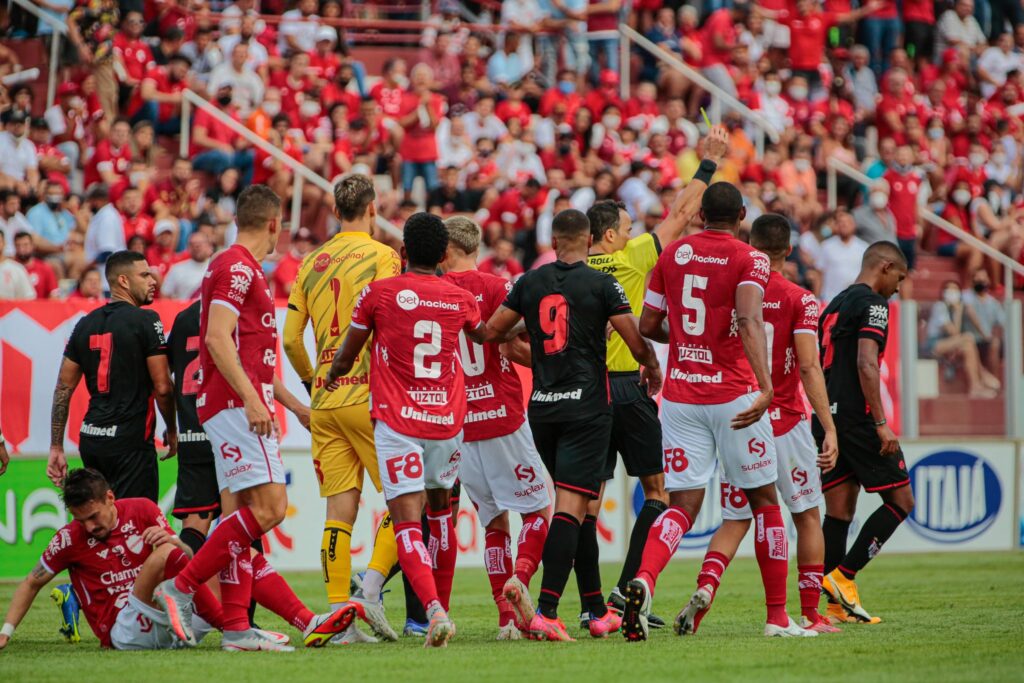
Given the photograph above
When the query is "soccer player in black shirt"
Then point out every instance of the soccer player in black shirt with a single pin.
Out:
(197, 498)
(567, 306)
(120, 349)
(853, 332)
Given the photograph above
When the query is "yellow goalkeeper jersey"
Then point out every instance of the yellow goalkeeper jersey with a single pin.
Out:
(326, 290)
(630, 266)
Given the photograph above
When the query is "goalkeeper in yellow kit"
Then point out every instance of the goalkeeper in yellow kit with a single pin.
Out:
(326, 290)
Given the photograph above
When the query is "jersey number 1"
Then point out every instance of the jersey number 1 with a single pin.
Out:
(554, 322)
(104, 343)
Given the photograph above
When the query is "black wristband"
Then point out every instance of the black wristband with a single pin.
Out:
(309, 387)
(704, 172)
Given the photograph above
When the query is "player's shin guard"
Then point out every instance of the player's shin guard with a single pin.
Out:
(206, 604)
(809, 585)
(588, 569)
(638, 539)
(498, 562)
(530, 547)
(876, 531)
(232, 538)
(273, 592)
(193, 538)
(559, 552)
(336, 560)
(835, 532)
(772, 550)
(385, 550)
(443, 552)
(662, 541)
(235, 593)
(415, 561)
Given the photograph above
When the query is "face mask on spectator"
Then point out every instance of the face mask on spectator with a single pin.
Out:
(826, 232)
(798, 93)
(645, 177)
(402, 82)
(901, 168)
(951, 296)
(76, 103)
(136, 178)
(309, 109)
(53, 201)
(224, 100)
(768, 198)
(961, 197)
(802, 164)
(977, 159)
(566, 87)
(936, 133)
(878, 200)
(271, 109)
(773, 88)
(980, 287)
(995, 200)
(611, 121)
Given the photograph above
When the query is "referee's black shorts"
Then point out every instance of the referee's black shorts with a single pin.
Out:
(636, 429)
(131, 473)
(860, 457)
(197, 492)
(574, 452)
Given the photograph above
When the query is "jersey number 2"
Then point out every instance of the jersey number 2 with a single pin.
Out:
(104, 343)
(554, 322)
(431, 331)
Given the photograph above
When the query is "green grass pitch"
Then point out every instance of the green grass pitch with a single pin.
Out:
(952, 617)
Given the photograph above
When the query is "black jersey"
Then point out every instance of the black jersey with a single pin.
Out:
(858, 312)
(566, 310)
(183, 352)
(111, 345)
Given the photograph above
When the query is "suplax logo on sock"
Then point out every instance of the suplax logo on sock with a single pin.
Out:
(957, 496)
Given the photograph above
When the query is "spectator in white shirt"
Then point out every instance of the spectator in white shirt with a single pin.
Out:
(246, 86)
(258, 55)
(184, 278)
(958, 28)
(106, 227)
(996, 62)
(12, 220)
(14, 279)
(482, 123)
(204, 53)
(840, 257)
(19, 165)
(297, 31)
(523, 16)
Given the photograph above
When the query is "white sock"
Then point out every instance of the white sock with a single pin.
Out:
(373, 582)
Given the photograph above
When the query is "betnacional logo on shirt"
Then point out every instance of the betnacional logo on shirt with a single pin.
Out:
(321, 262)
(684, 254)
(409, 300)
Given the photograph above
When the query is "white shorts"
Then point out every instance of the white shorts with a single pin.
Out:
(244, 459)
(411, 465)
(692, 433)
(504, 474)
(141, 627)
(799, 481)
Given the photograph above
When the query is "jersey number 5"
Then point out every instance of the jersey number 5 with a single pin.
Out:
(694, 325)
(104, 343)
(554, 322)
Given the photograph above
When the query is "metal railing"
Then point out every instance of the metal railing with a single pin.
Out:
(303, 173)
(1014, 333)
(719, 98)
(60, 30)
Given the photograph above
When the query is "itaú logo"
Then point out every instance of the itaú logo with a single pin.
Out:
(957, 495)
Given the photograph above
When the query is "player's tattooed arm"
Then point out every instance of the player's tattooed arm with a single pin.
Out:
(67, 381)
(345, 358)
(23, 597)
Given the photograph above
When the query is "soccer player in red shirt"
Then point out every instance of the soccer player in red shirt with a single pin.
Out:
(235, 404)
(500, 469)
(710, 286)
(791, 320)
(418, 402)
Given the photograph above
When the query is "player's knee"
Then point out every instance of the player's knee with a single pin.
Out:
(654, 487)
(271, 512)
(902, 499)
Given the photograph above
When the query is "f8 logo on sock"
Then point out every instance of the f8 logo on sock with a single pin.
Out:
(410, 465)
(675, 460)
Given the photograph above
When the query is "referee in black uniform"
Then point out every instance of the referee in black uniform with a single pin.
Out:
(121, 351)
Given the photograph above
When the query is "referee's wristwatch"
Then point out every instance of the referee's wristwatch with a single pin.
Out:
(881, 423)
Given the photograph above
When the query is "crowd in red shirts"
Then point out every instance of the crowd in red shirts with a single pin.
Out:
(511, 126)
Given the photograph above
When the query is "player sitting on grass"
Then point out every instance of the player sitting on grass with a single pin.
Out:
(791, 312)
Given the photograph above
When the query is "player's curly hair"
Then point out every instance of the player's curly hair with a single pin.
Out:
(83, 485)
(426, 240)
(463, 233)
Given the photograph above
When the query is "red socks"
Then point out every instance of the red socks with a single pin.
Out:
(772, 550)
(662, 541)
(809, 585)
(231, 537)
(236, 592)
(498, 562)
(415, 562)
(205, 602)
(712, 569)
(443, 552)
(530, 546)
(273, 592)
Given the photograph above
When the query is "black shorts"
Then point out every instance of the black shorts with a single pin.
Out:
(636, 429)
(197, 493)
(860, 458)
(922, 37)
(574, 453)
(131, 474)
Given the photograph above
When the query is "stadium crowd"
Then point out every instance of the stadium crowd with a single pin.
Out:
(510, 126)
